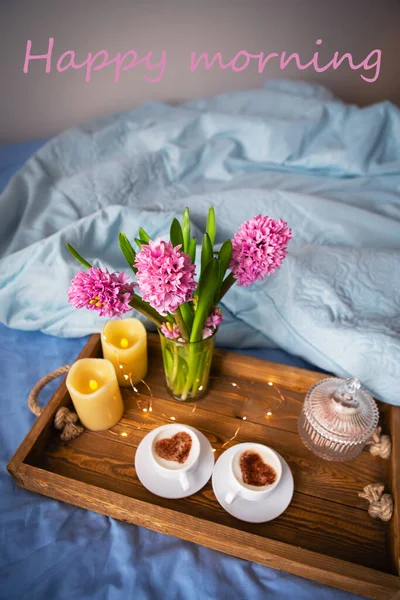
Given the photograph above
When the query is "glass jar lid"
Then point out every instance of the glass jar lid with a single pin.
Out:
(341, 410)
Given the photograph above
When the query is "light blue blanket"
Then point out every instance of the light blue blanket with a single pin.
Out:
(290, 150)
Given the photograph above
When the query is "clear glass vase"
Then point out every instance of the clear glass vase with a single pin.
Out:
(187, 366)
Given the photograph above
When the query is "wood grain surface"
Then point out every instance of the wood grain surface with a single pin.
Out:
(326, 533)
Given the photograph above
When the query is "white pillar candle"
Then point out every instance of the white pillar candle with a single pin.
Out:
(124, 344)
(94, 390)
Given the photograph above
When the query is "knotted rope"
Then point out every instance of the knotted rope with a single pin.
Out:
(381, 505)
(380, 445)
(64, 420)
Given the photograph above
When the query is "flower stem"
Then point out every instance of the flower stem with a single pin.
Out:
(143, 307)
(181, 324)
(192, 362)
(226, 285)
(187, 315)
(175, 367)
(199, 375)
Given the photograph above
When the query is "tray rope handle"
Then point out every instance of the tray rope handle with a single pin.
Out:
(65, 419)
(380, 504)
(380, 445)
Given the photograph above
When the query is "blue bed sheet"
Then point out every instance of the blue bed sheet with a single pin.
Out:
(290, 150)
(51, 550)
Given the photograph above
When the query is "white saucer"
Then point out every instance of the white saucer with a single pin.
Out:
(169, 488)
(253, 512)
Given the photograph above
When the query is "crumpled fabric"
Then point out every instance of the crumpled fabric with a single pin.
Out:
(290, 150)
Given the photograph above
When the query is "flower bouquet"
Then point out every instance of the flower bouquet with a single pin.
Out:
(184, 310)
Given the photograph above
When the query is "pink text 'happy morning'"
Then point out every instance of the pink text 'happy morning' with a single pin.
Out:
(154, 66)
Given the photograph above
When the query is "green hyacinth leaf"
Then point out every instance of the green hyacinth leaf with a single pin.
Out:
(176, 233)
(224, 258)
(187, 315)
(206, 293)
(192, 250)
(145, 238)
(211, 227)
(127, 250)
(206, 251)
(139, 242)
(148, 311)
(78, 257)
(186, 231)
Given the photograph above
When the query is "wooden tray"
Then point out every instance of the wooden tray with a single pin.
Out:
(326, 533)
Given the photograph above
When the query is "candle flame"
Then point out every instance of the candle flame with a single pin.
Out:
(124, 343)
(93, 384)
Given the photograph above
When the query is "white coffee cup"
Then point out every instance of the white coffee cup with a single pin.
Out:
(238, 488)
(172, 469)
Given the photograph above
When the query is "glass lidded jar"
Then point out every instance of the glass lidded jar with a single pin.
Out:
(337, 419)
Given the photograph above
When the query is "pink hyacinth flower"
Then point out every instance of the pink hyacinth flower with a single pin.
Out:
(170, 331)
(107, 293)
(258, 248)
(215, 318)
(207, 332)
(165, 276)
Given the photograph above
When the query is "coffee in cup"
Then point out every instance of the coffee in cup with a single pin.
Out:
(252, 469)
(255, 470)
(175, 450)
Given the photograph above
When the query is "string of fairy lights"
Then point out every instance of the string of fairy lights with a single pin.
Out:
(150, 407)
